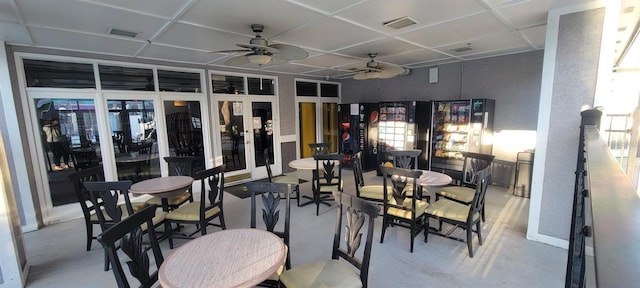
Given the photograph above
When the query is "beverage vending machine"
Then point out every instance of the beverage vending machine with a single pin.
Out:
(358, 131)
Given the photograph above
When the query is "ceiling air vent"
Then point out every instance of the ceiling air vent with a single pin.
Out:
(400, 22)
(462, 49)
(124, 33)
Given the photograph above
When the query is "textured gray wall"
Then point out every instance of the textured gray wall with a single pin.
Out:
(512, 80)
(574, 84)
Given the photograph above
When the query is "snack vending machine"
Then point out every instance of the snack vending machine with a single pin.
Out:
(460, 126)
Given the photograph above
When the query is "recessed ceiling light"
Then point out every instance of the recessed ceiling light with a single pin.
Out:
(400, 22)
(462, 49)
(124, 33)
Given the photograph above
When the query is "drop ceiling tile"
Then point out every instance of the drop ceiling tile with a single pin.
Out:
(536, 35)
(459, 30)
(384, 47)
(176, 54)
(374, 13)
(500, 42)
(524, 14)
(328, 60)
(417, 56)
(14, 33)
(7, 14)
(90, 43)
(238, 15)
(326, 6)
(163, 8)
(290, 69)
(87, 18)
(205, 39)
(328, 35)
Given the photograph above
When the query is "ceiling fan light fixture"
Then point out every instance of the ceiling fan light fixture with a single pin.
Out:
(259, 59)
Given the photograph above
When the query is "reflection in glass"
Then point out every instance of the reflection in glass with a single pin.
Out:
(184, 130)
(133, 130)
(232, 134)
(70, 142)
(227, 84)
(307, 130)
(179, 81)
(260, 86)
(40, 73)
(262, 131)
(126, 78)
(330, 125)
(306, 88)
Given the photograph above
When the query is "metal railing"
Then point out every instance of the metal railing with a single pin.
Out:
(606, 216)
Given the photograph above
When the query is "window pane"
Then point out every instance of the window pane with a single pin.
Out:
(179, 81)
(133, 130)
(306, 88)
(262, 131)
(125, 78)
(71, 142)
(58, 74)
(227, 84)
(184, 130)
(260, 86)
(231, 119)
(329, 90)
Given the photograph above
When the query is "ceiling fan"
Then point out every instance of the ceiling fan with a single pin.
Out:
(377, 70)
(261, 53)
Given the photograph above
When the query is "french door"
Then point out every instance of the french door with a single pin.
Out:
(246, 131)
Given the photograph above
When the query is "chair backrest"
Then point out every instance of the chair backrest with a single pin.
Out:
(129, 233)
(400, 178)
(107, 194)
(473, 163)
(211, 188)
(180, 165)
(331, 174)
(358, 177)
(319, 148)
(407, 159)
(78, 178)
(84, 158)
(482, 183)
(357, 212)
(272, 195)
(267, 164)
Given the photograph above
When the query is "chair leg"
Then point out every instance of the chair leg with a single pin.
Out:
(222, 224)
(479, 232)
(170, 235)
(413, 228)
(470, 241)
(297, 190)
(426, 229)
(106, 260)
(384, 228)
(89, 234)
(483, 213)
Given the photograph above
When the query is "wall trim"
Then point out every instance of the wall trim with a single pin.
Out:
(288, 138)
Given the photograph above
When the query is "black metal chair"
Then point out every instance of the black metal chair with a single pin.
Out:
(272, 195)
(327, 177)
(367, 192)
(107, 196)
(461, 215)
(336, 273)
(402, 209)
(201, 213)
(285, 179)
(465, 190)
(407, 159)
(178, 166)
(128, 233)
(95, 173)
(319, 148)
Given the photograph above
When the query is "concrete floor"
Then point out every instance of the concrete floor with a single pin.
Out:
(57, 257)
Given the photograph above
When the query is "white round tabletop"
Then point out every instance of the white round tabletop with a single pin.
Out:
(431, 178)
(303, 164)
(229, 258)
(162, 186)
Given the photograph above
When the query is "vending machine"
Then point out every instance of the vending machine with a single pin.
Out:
(404, 126)
(460, 126)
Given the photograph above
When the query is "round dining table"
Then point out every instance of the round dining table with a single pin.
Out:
(303, 164)
(163, 187)
(432, 179)
(228, 258)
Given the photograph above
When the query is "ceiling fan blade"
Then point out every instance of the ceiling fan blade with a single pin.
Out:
(237, 61)
(290, 52)
(231, 51)
(361, 76)
(390, 71)
(265, 48)
(276, 60)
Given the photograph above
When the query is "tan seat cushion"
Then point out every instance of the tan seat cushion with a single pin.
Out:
(173, 201)
(463, 194)
(160, 216)
(333, 187)
(421, 206)
(286, 179)
(332, 273)
(448, 209)
(276, 275)
(191, 212)
(374, 192)
(137, 206)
